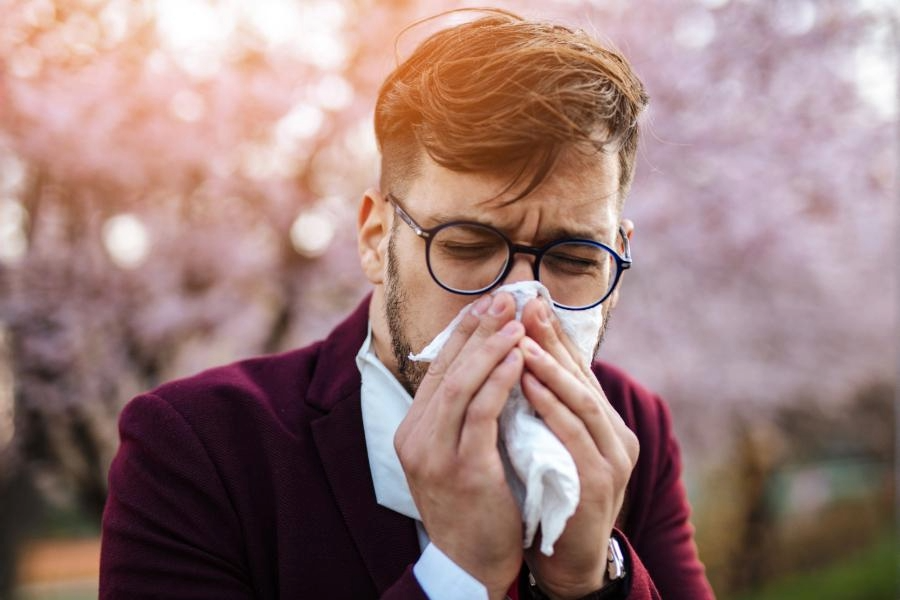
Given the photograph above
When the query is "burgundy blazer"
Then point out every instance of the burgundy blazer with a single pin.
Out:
(252, 481)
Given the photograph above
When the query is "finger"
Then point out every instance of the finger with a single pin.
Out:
(483, 351)
(608, 454)
(479, 432)
(543, 326)
(561, 420)
(448, 353)
(438, 368)
(582, 400)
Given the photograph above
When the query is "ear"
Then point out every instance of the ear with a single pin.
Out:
(373, 231)
(628, 227)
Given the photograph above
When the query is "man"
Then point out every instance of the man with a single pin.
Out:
(508, 147)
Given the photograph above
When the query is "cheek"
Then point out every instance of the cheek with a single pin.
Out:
(428, 308)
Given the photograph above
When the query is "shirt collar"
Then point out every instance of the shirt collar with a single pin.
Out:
(384, 404)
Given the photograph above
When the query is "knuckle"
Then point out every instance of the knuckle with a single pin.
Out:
(478, 412)
(471, 478)
(471, 485)
(468, 325)
(491, 323)
(400, 438)
(407, 459)
(485, 330)
(568, 435)
(451, 386)
(632, 447)
(421, 466)
(603, 476)
(621, 468)
(432, 471)
(592, 407)
(438, 366)
(610, 476)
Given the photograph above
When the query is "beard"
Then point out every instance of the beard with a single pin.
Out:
(607, 313)
(409, 373)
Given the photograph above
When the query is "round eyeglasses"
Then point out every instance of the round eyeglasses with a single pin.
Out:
(470, 258)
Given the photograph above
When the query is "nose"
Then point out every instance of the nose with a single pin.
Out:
(522, 269)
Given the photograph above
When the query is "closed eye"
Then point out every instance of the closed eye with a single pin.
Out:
(571, 263)
(467, 251)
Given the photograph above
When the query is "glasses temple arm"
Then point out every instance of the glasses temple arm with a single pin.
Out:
(406, 218)
(626, 245)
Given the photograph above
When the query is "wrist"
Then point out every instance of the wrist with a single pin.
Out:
(613, 581)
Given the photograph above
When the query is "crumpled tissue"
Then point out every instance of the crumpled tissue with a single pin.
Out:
(539, 469)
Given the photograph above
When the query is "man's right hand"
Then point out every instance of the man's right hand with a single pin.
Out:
(447, 445)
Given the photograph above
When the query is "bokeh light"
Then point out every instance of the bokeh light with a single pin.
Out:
(13, 242)
(794, 17)
(696, 29)
(126, 240)
(187, 105)
(312, 233)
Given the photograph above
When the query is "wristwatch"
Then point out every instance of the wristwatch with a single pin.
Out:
(615, 570)
(615, 560)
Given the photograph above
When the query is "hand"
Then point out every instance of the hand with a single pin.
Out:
(447, 445)
(569, 399)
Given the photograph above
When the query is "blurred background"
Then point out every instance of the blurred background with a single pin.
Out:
(178, 186)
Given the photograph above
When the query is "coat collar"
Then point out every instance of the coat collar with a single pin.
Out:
(336, 376)
(385, 539)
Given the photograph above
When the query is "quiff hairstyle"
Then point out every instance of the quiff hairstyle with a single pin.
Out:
(507, 95)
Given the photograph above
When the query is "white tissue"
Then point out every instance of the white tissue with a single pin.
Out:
(539, 469)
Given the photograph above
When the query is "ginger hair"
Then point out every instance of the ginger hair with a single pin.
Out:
(507, 95)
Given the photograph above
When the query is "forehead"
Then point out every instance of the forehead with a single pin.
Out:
(579, 198)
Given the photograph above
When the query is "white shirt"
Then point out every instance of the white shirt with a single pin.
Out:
(384, 405)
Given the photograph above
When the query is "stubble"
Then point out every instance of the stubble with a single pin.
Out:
(410, 373)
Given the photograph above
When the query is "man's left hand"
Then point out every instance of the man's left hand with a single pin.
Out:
(569, 399)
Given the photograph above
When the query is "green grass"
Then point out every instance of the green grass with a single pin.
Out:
(872, 574)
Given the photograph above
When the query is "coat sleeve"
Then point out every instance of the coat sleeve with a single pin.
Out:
(640, 586)
(168, 528)
(406, 588)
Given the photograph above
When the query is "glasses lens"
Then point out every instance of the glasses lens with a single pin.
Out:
(578, 274)
(467, 258)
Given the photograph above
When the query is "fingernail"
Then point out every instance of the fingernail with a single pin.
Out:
(497, 307)
(531, 347)
(512, 357)
(481, 305)
(512, 328)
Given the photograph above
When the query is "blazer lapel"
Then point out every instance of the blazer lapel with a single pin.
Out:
(385, 539)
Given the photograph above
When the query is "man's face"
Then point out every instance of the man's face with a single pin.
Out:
(578, 199)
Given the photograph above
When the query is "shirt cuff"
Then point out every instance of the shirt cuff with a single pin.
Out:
(443, 579)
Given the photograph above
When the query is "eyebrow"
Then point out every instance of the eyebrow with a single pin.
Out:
(557, 233)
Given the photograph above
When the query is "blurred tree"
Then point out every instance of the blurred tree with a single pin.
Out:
(171, 175)
(765, 203)
(178, 177)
